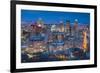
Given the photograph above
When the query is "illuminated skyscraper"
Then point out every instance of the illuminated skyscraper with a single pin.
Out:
(68, 27)
(84, 41)
(40, 22)
(61, 27)
(75, 27)
(39, 25)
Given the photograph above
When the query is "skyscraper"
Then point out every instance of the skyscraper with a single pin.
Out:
(75, 27)
(68, 27)
(40, 22)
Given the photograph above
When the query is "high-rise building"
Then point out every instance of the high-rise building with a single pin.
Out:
(40, 22)
(84, 41)
(62, 27)
(53, 28)
(68, 27)
(39, 25)
(75, 27)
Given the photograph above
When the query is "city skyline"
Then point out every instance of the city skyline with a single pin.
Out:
(53, 17)
(59, 41)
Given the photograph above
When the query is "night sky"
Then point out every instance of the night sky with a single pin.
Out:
(53, 17)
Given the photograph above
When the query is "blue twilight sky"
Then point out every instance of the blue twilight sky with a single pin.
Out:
(53, 17)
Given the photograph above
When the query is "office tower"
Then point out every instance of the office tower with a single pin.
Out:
(84, 41)
(61, 26)
(68, 28)
(75, 27)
